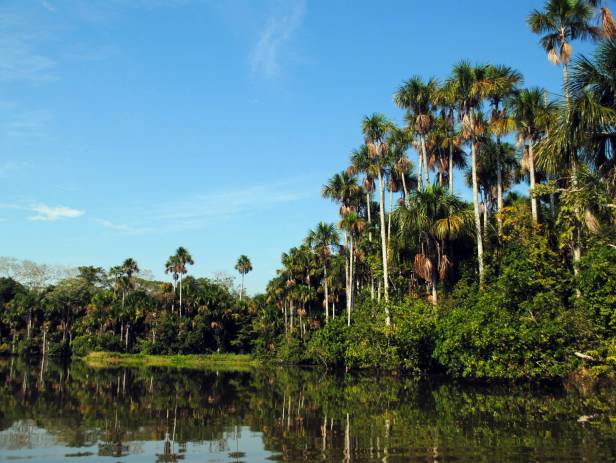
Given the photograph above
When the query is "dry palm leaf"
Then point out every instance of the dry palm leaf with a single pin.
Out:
(609, 25)
(422, 123)
(443, 267)
(591, 221)
(553, 57)
(423, 267)
(371, 149)
(565, 52)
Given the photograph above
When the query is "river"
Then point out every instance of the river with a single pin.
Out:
(59, 413)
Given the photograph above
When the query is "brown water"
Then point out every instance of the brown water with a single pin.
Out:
(73, 413)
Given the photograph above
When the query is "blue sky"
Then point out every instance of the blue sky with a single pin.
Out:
(130, 127)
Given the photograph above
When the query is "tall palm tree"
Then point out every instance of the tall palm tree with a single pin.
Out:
(446, 97)
(506, 80)
(321, 240)
(560, 22)
(437, 217)
(376, 129)
(417, 98)
(531, 114)
(182, 259)
(473, 86)
(243, 266)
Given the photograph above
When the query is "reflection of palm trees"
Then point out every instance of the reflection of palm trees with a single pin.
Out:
(237, 454)
(113, 445)
(169, 453)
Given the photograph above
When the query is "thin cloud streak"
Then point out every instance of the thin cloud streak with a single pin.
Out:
(48, 213)
(265, 56)
(204, 210)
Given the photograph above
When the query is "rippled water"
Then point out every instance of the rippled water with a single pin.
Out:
(71, 413)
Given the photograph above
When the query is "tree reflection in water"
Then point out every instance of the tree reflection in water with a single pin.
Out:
(290, 414)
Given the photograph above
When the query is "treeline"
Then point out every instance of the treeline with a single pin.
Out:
(506, 286)
(119, 310)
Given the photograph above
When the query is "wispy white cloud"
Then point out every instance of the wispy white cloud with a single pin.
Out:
(203, 210)
(49, 213)
(265, 56)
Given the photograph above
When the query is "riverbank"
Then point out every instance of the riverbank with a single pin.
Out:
(114, 359)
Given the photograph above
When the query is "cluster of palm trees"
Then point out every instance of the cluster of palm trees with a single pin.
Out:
(469, 121)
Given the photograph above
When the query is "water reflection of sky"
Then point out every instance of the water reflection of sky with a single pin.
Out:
(24, 440)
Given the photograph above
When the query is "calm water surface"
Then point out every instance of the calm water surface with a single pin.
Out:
(55, 413)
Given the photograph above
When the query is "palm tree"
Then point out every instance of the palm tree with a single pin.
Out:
(582, 132)
(182, 258)
(531, 113)
(342, 188)
(243, 266)
(437, 217)
(417, 98)
(562, 21)
(376, 129)
(473, 85)
(321, 240)
(595, 81)
(505, 80)
(446, 96)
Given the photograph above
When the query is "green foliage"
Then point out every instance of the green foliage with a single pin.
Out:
(518, 327)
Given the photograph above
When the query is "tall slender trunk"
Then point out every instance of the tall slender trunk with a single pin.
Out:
(350, 280)
(391, 208)
(531, 170)
(577, 238)
(180, 295)
(419, 171)
(369, 207)
(326, 292)
(384, 246)
(476, 198)
(499, 184)
(404, 189)
(424, 153)
(242, 287)
(450, 166)
(485, 218)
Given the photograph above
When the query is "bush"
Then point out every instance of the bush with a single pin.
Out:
(518, 327)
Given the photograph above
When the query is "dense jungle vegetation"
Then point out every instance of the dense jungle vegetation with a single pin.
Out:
(517, 283)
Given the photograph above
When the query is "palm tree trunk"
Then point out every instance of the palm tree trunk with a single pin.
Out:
(384, 246)
(419, 170)
(424, 153)
(404, 189)
(499, 184)
(485, 218)
(450, 166)
(242, 287)
(531, 170)
(476, 198)
(391, 208)
(326, 293)
(180, 295)
(350, 292)
(368, 208)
